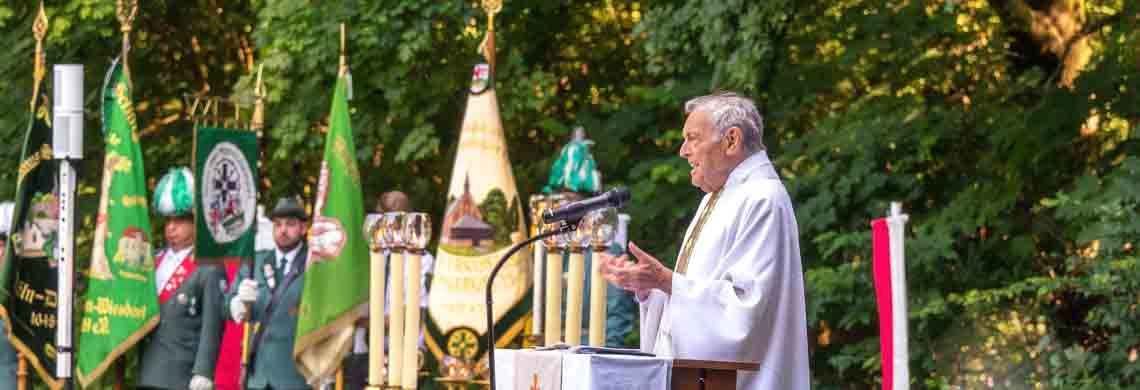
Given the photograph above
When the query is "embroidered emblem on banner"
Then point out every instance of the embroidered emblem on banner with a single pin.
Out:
(228, 193)
(37, 238)
(480, 78)
(327, 238)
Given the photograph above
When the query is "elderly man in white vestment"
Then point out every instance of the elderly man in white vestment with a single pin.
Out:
(737, 291)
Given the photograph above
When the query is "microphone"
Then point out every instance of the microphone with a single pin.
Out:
(576, 210)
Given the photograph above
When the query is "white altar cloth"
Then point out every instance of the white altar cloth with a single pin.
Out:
(524, 369)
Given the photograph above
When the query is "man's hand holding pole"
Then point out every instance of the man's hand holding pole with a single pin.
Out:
(240, 307)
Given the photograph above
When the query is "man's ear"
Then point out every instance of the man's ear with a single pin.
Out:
(733, 140)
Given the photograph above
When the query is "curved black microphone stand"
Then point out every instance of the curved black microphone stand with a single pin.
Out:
(564, 227)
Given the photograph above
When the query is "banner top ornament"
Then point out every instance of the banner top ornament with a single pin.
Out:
(39, 31)
(205, 111)
(343, 69)
(257, 121)
(492, 7)
(126, 10)
(487, 46)
(40, 25)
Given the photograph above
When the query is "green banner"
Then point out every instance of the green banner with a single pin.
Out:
(336, 282)
(121, 304)
(225, 164)
(28, 292)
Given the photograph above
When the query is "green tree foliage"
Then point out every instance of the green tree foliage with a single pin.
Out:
(966, 113)
(1008, 129)
(184, 47)
(495, 212)
(177, 48)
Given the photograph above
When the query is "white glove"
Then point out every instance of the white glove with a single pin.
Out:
(238, 309)
(246, 295)
(247, 291)
(199, 382)
(321, 383)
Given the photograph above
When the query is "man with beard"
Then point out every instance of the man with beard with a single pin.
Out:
(270, 299)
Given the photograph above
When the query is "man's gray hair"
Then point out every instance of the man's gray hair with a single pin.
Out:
(730, 110)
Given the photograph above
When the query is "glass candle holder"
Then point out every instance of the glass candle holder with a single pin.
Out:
(603, 223)
(393, 230)
(417, 231)
(553, 201)
(377, 237)
(538, 204)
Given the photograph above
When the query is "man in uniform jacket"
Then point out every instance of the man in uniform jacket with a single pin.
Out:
(181, 351)
(8, 357)
(270, 297)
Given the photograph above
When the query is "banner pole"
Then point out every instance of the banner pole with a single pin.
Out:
(67, 143)
(22, 373)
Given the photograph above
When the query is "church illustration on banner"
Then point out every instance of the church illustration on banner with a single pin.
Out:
(38, 236)
(472, 228)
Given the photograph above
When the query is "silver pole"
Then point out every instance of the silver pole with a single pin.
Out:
(67, 146)
(66, 271)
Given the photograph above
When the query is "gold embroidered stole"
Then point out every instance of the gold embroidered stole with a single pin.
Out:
(691, 240)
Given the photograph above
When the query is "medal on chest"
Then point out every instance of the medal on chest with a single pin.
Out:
(269, 279)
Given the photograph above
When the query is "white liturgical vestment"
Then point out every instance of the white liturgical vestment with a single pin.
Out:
(741, 297)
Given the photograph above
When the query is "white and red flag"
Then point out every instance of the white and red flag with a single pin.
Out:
(890, 292)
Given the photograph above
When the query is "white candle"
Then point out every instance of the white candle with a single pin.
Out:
(396, 319)
(553, 332)
(537, 295)
(376, 321)
(412, 321)
(597, 301)
(575, 285)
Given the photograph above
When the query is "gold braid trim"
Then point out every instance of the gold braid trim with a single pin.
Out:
(691, 241)
(124, 100)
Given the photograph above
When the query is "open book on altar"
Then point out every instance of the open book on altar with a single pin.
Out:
(585, 349)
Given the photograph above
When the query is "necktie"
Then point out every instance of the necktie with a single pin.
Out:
(282, 266)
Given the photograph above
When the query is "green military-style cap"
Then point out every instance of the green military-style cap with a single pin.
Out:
(289, 206)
